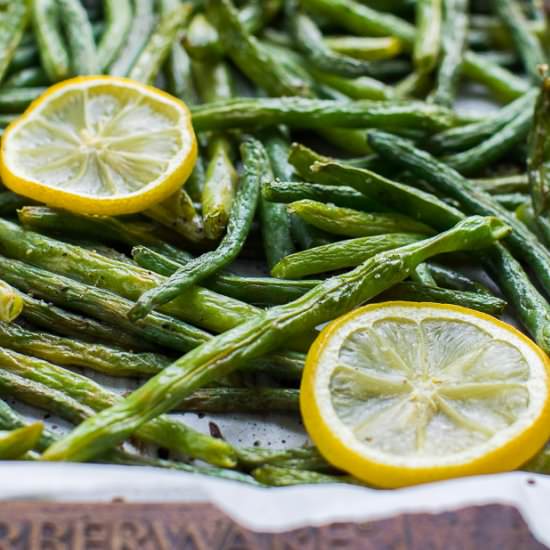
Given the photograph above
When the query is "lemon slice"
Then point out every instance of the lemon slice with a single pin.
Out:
(99, 145)
(402, 393)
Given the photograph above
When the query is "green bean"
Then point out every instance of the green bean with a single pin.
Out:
(522, 242)
(177, 69)
(449, 278)
(496, 185)
(16, 100)
(339, 255)
(104, 228)
(11, 303)
(102, 305)
(261, 291)
(179, 214)
(539, 225)
(80, 38)
(478, 157)
(221, 177)
(31, 76)
(495, 34)
(168, 333)
(423, 276)
(13, 22)
(195, 184)
(141, 28)
(507, 59)
(511, 201)
(463, 137)
(24, 57)
(10, 420)
(241, 400)
(353, 223)
(118, 15)
(70, 324)
(149, 61)
(246, 52)
(274, 218)
(291, 191)
(363, 47)
(363, 87)
(40, 396)
(524, 40)
(428, 32)
(360, 19)
(202, 40)
(263, 333)
(100, 228)
(301, 458)
(321, 113)
(240, 221)
(277, 148)
(219, 187)
(14, 444)
(71, 352)
(10, 202)
(537, 151)
(284, 477)
(92, 397)
(257, 13)
(419, 205)
(531, 307)
(421, 293)
(309, 39)
(453, 41)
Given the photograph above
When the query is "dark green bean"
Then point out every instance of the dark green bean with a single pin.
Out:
(526, 43)
(453, 42)
(353, 223)
(339, 255)
(66, 323)
(71, 352)
(118, 15)
(321, 113)
(102, 305)
(16, 100)
(242, 400)
(521, 241)
(537, 153)
(403, 198)
(157, 49)
(240, 221)
(420, 293)
(80, 38)
(246, 52)
(140, 31)
(309, 40)
(463, 137)
(493, 148)
(291, 191)
(31, 76)
(428, 35)
(14, 21)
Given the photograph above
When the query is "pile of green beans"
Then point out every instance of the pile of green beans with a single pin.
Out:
(335, 160)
